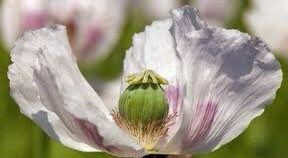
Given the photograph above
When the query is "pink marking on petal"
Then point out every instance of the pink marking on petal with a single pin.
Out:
(175, 99)
(91, 132)
(173, 94)
(33, 20)
(200, 124)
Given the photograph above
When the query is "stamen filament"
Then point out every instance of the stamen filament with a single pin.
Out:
(143, 109)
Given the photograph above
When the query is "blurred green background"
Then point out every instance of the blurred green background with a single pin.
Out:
(266, 137)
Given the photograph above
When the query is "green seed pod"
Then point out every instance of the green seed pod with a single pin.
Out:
(143, 108)
(143, 103)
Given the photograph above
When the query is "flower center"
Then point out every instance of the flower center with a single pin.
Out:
(143, 108)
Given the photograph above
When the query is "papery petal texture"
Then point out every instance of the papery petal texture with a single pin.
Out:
(151, 45)
(267, 14)
(225, 78)
(218, 81)
(49, 88)
(229, 77)
(154, 49)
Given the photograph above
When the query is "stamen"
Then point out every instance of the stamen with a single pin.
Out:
(147, 135)
(146, 76)
(143, 109)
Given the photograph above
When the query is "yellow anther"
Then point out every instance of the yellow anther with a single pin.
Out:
(146, 76)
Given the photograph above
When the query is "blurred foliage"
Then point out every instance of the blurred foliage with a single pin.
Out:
(266, 137)
(237, 22)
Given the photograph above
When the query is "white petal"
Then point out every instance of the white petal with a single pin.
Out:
(267, 14)
(154, 49)
(230, 77)
(49, 88)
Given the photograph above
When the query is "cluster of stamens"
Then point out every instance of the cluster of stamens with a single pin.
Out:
(145, 77)
(147, 133)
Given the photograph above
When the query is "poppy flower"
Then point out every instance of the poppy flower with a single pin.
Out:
(187, 87)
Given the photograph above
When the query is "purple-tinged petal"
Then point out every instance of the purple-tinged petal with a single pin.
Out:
(200, 124)
(174, 97)
(229, 77)
(49, 88)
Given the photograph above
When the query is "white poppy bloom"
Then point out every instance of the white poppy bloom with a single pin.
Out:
(187, 87)
(93, 25)
(268, 19)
